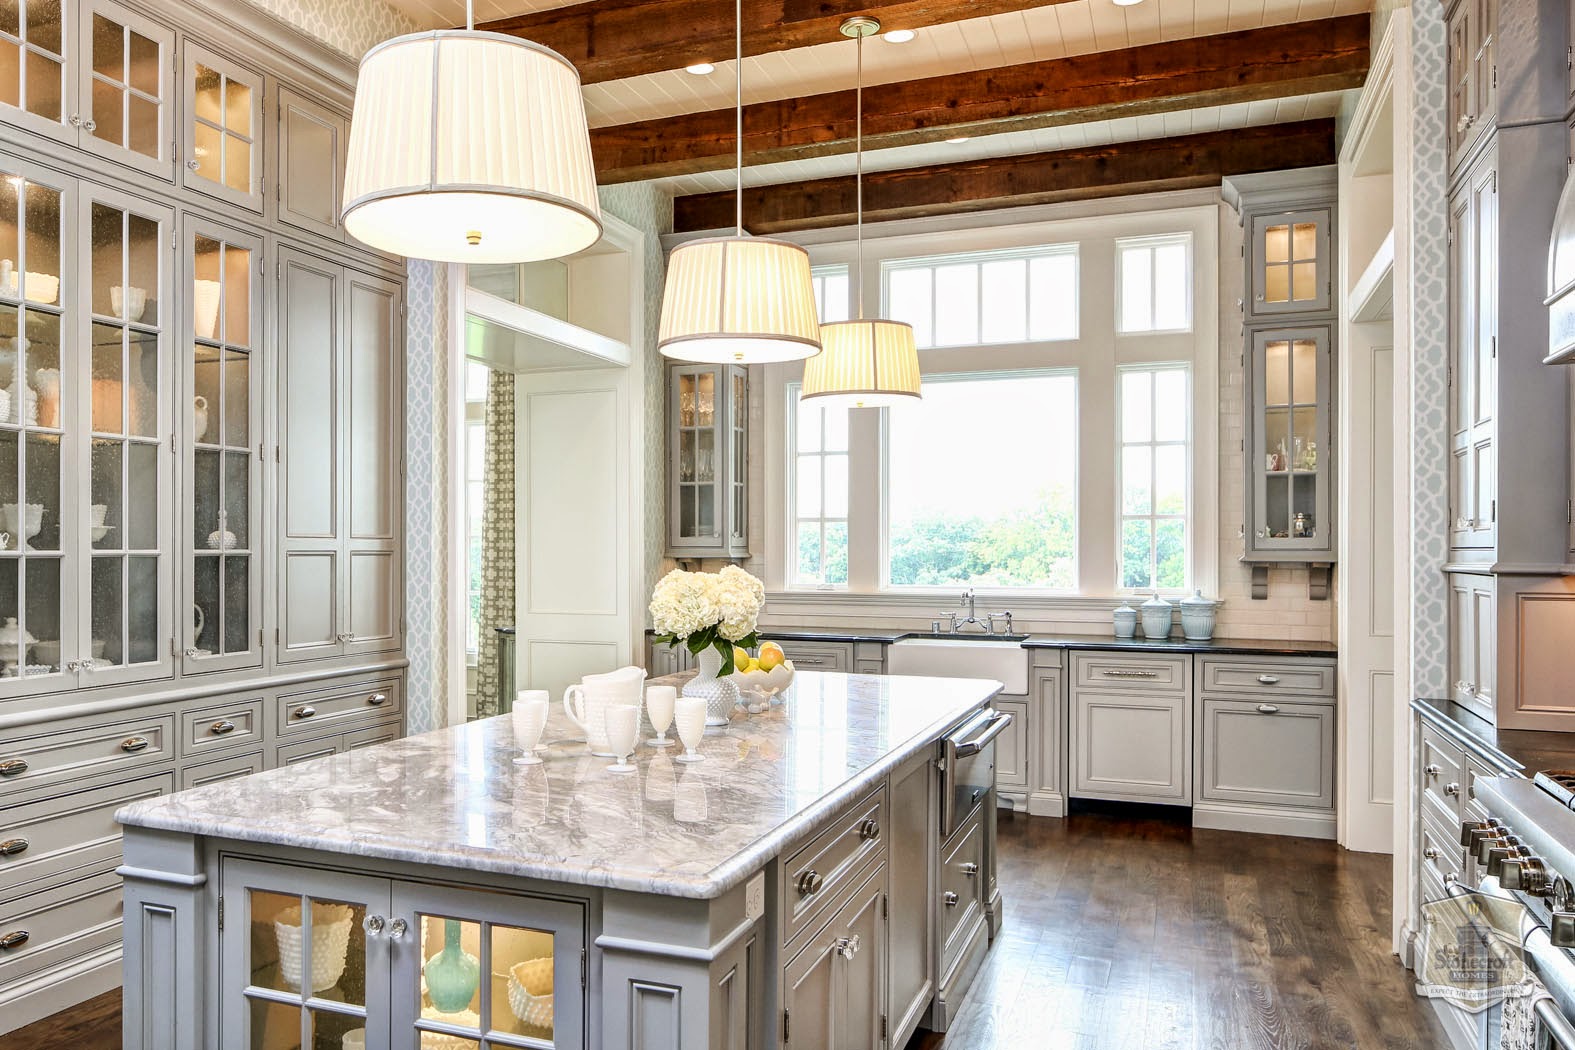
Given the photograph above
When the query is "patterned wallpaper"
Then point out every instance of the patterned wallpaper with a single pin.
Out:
(350, 27)
(426, 480)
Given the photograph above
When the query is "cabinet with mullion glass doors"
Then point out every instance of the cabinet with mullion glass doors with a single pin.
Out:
(222, 143)
(708, 501)
(1289, 466)
(222, 427)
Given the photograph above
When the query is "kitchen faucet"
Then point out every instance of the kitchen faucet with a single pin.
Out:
(987, 624)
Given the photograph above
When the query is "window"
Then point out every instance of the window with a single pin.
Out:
(476, 379)
(982, 483)
(831, 292)
(820, 493)
(1155, 458)
(1154, 284)
(985, 298)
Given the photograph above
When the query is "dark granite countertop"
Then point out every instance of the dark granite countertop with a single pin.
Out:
(1524, 750)
(1100, 642)
(832, 634)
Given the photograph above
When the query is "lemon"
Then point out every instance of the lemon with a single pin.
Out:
(740, 658)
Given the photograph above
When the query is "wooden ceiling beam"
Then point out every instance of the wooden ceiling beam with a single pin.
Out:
(1151, 165)
(1283, 61)
(617, 39)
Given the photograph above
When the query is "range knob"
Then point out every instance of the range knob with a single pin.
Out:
(1561, 919)
(1525, 873)
(1498, 854)
(1472, 832)
(1497, 840)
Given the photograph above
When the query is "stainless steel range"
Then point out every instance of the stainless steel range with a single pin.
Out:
(1525, 851)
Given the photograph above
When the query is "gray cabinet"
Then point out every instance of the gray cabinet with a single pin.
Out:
(222, 129)
(708, 453)
(313, 144)
(1131, 728)
(911, 846)
(1046, 732)
(125, 100)
(1291, 260)
(834, 989)
(1472, 74)
(1473, 641)
(1011, 749)
(341, 391)
(1290, 401)
(1473, 372)
(1274, 753)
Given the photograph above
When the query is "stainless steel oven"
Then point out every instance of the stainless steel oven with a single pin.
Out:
(968, 766)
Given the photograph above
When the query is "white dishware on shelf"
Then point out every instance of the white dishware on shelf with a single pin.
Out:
(47, 383)
(97, 513)
(355, 1039)
(205, 308)
(586, 702)
(128, 301)
(689, 716)
(1157, 617)
(532, 1008)
(221, 540)
(198, 620)
(623, 733)
(199, 416)
(14, 642)
(100, 531)
(5, 541)
(330, 944)
(25, 520)
(659, 701)
(46, 653)
(40, 287)
(5, 405)
(529, 718)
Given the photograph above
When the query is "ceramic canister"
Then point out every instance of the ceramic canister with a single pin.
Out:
(1197, 617)
(1157, 615)
(1126, 619)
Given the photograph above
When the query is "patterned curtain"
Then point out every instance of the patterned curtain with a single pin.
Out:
(497, 541)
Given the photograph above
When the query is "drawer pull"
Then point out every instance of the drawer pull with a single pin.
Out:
(1432, 770)
(1114, 673)
(131, 745)
(869, 830)
(1268, 709)
(1269, 679)
(950, 899)
(810, 883)
(305, 712)
(1452, 789)
(1430, 853)
(969, 869)
(13, 767)
(12, 847)
(222, 727)
(14, 939)
(377, 699)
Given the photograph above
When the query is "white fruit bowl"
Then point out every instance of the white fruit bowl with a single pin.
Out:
(766, 683)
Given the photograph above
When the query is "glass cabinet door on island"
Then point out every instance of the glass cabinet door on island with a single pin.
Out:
(1289, 455)
(223, 432)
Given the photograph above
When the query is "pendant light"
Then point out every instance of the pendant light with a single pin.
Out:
(738, 299)
(865, 364)
(470, 147)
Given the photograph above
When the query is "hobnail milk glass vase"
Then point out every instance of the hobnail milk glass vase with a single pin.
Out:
(719, 694)
(453, 974)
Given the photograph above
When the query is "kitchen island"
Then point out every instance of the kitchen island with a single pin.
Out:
(825, 876)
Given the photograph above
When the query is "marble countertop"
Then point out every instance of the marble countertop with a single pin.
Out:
(454, 798)
(1527, 750)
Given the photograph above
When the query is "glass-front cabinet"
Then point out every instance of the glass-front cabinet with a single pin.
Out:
(708, 409)
(222, 147)
(1291, 272)
(86, 381)
(325, 960)
(1289, 459)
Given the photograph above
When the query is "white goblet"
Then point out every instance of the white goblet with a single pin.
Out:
(689, 714)
(659, 701)
(526, 696)
(623, 732)
(529, 718)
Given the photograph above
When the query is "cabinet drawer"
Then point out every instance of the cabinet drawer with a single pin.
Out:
(820, 656)
(1267, 678)
(1443, 771)
(306, 750)
(220, 727)
(73, 754)
(1278, 754)
(341, 708)
(815, 873)
(221, 769)
(1470, 808)
(53, 926)
(962, 893)
(1121, 671)
(375, 735)
(1440, 853)
(39, 840)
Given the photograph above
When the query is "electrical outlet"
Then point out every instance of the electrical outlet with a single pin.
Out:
(755, 897)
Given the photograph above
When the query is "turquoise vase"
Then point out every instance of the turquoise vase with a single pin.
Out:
(453, 974)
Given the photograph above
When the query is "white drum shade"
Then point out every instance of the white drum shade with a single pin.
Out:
(470, 147)
(864, 364)
(739, 300)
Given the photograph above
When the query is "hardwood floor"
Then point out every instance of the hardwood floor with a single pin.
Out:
(1136, 932)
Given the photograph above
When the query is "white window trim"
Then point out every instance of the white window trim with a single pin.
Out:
(979, 259)
(790, 505)
(1153, 517)
(1095, 226)
(1151, 242)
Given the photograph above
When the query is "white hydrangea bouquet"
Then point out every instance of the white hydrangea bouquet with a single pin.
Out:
(708, 612)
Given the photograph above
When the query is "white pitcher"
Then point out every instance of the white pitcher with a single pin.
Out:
(586, 703)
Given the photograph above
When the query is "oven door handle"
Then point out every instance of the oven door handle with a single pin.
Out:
(997, 724)
(1554, 1023)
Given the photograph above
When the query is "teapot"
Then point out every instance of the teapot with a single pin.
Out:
(199, 416)
(586, 703)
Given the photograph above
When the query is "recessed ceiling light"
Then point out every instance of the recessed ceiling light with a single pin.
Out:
(700, 69)
(899, 36)
(958, 139)
(1126, 3)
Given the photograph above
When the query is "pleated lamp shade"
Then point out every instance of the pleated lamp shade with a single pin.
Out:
(470, 147)
(739, 300)
(864, 364)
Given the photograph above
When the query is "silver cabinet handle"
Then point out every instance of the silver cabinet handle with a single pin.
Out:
(305, 712)
(377, 699)
(969, 869)
(848, 947)
(1269, 679)
(12, 847)
(869, 830)
(1451, 789)
(397, 928)
(131, 745)
(950, 899)
(1268, 709)
(1129, 674)
(1430, 853)
(14, 939)
(13, 767)
(1432, 770)
(222, 727)
(810, 883)
(373, 924)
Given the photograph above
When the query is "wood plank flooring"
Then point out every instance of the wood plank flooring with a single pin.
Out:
(1136, 932)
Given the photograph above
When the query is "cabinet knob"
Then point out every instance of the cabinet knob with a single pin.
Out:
(75, 121)
(131, 745)
(12, 847)
(192, 652)
(810, 883)
(373, 924)
(222, 728)
(1451, 789)
(13, 767)
(950, 899)
(305, 712)
(193, 165)
(377, 699)
(848, 947)
(90, 124)
(1430, 853)
(397, 928)
(1268, 709)
(1432, 770)
(969, 869)
(869, 830)
(14, 939)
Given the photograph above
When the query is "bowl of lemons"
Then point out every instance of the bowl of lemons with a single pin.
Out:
(762, 678)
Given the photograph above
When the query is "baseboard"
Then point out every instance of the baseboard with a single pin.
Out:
(1467, 1031)
(51, 991)
(1046, 804)
(994, 913)
(1265, 820)
(954, 988)
(1016, 801)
